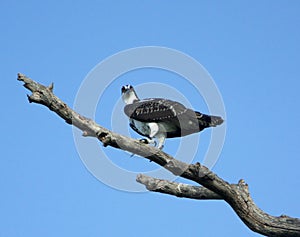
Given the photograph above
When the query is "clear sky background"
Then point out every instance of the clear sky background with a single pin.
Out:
(250, 48)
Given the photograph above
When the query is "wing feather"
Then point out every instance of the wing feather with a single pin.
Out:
(154, 110)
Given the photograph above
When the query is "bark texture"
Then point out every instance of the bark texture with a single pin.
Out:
(213, 187)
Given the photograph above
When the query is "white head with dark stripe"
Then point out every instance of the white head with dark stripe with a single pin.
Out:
(128, 94)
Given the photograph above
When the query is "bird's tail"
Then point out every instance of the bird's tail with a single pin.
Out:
(208, 120)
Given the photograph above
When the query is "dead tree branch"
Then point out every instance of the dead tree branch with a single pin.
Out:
(236, 195)
(177, 189)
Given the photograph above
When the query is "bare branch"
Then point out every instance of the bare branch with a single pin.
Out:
(177, 189)
(236, 195)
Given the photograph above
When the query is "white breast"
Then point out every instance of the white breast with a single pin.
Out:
(148, 129)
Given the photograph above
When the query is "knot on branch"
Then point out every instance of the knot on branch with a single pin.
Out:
(51, 86)
(105, 138)
(39, 97)
(88, 133)
(150, 183)
(242, 185)
(200, 171)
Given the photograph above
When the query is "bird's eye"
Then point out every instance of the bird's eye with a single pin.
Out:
(126, 88)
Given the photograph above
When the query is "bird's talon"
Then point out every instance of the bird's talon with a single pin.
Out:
(145, 141)
(161, 147)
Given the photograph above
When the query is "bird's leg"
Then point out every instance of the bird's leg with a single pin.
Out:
(161, 137)
(153, 128)
(148, 141)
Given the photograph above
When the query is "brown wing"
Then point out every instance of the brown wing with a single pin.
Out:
(154, 110)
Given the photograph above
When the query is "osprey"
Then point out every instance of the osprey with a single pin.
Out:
(161, 118)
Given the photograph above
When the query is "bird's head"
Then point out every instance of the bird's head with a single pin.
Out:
(128, 94)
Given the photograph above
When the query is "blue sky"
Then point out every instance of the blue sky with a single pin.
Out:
(251, 50)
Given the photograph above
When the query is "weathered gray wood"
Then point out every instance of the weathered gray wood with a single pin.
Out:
(177, 189)
(236, 195)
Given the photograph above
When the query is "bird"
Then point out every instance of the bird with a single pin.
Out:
(159, 118)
